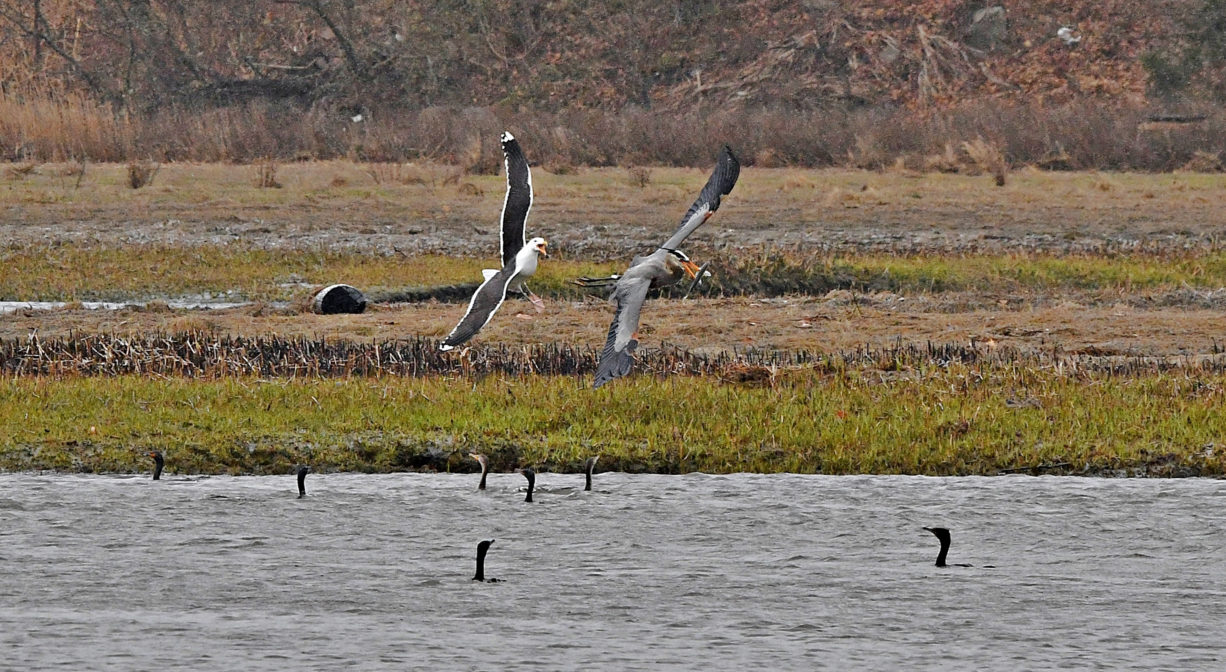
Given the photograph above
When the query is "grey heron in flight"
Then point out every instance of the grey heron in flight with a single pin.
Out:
(664, 267)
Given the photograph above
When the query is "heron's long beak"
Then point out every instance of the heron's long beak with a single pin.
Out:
(691, 269)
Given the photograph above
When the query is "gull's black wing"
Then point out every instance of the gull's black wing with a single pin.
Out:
(485, 302)
(511, 236)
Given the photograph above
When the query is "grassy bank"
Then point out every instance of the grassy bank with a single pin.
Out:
(939, 421)
(81, 272)
(67, 273)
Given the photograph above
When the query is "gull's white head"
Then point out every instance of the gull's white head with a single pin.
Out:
(539, 245)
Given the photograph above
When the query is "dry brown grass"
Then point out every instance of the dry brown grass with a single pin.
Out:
(470, 189)
(266, 175)
(141, 173)
(639, 176)
(988, 158)
(20, 171)
(707, 326)
(61, 127)
(53, 127)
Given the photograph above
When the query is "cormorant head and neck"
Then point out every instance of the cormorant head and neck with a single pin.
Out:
(485, 468)
(483, 547)
(531, 476)
(158, 463)
(302, 472)
(942, 534)
(587, 468)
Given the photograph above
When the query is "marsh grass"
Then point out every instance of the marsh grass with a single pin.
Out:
(78, 272)
(51, 126)
(949, 420)
(774, 272)
(70, 272)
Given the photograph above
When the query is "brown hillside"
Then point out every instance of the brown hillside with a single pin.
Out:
(552, 55)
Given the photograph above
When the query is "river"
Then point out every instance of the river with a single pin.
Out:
(373, 572)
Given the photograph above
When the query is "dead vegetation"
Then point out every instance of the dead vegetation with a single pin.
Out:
(988, 158)
(638, 176)
(206, 354)
(141, 173)
(266, 175)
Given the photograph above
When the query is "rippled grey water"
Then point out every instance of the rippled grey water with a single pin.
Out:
(727, 572)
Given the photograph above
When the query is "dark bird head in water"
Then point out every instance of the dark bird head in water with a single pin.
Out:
(531, 476)
(587, 468)
(942, 534)
(483, 547)
(485, 468)
(302, 472)
(158, 463)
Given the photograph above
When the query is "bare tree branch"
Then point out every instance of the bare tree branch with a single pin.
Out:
(41, 31)
(351, 55)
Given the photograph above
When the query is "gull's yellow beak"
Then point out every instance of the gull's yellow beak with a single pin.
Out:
(541, 248)
(691, 269)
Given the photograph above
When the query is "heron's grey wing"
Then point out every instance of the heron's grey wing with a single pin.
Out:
(481, 307)
(617, 357)
(515, 206)
(722, 179)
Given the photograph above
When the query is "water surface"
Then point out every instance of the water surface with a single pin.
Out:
(647, 572)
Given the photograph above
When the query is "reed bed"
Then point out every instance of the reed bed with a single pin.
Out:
(206, 355)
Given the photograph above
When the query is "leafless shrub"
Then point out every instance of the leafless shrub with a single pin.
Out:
(20, 171)
(470, 189)
(768, 157)
(867, 153)
(266, 175)
(945, 162)
(1204, 162)
(383, 173)
(639, 176)
(141, 173)
(988, 158)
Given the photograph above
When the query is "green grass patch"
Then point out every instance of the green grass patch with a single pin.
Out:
(70, 272)
(937, 421)
(773, 273)
(77, 272)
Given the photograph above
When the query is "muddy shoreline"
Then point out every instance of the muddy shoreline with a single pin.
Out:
(599, 214)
